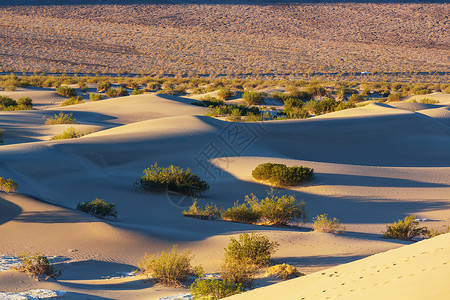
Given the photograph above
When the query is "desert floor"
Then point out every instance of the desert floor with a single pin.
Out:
(374, 165)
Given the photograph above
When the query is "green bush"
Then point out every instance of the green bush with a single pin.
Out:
(137, 92)
(37, 265)
(66, 91)
(405, 229)
(61, 118)
(300, 95)
(274, 210)
(225, 93)
(70, 133)
(447, 90)
(8, 185)
(280, 175)
(212, 289)
(82, 86)
(209, 212)
(241, 213)
(355, 98)
(175, 179)
(170, 269)
(252, 98)
(255, 247)
(95, 97)
(429, 101)
(7, 102)
(118, 92)
(324, 224)
(103, 86)
(395, 97)
(284, 271)
(72, 101)
(25, 101)
(98, 208)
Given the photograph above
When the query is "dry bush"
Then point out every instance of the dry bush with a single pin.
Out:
(405, 229)
(212, 289)
(284, 271)
(8, 185)
(70, 133)
(324, 224)
(209, 212)
(61, 118)
(37, 265)
(98, 208)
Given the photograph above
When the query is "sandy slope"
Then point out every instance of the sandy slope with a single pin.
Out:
(373, 165)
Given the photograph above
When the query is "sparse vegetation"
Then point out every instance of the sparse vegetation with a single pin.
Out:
(280, 175)
(324, 224)
(95, 97)
(170, 269)
(174, 179)
(209, 212)
(252, 98)
(225, 93)
(1, 136)
(406, 229)
(241, 213)
(72, 101)
(70, 133)
(98, 208)
(118, 92)
(61, 118)
(284, 271)
(66, 91)
(9, 104)
(103, 86)
(8, 185)
(429, 101)
(212, 289)
(394, 97)
(37, 265)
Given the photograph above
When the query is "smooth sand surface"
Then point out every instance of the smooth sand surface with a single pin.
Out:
(373, 165)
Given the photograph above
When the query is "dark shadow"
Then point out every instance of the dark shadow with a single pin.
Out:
(52, 217)
(94, 270)
(138, 284)
(76, 295)
(8, 210)
(318, 260)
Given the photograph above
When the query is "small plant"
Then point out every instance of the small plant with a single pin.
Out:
(284, 271)
(119, 92)
(95, 97)
(170, 269)
(98, 208)
(434, 232)
(61, 118)
(429, 101)
(72, 101)
(8, 185)
(37, 265)
(70, 133)
(175, 179)
(324, 224)
(66, 91)
(103, 86)
(25, 102)
(225, 93)
(394, 97)
(280, 175)
(274, 210)
(213, 289)
(209, 212)
(405, 229)
(241, 213)
(137, 92)
(252, 98)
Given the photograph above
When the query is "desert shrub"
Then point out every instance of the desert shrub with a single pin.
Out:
(344, 105)
(252, 98)
(235, 116)
(95, 97)
(245, 256)
(284, 271)
(281, 175)
(297, 113)
(447, 90)
(8, 185)
(324, 224)
(61, 118)
(103, 86)
(405, 229)
(98, 208)
(434, 232)
(137, 92)
(429, 101)
(255, 247)
(70, 133)
(72, 101)
(209, 212)
(175, 179)
(212, 289)
(275, 210)
(25, 101)
(7, 102)
(118, 92)
(211, 101)
(37, 265)
(170, 269)
(241, 213)
(300, 95)
(225, 93)
(215, 110)
(355, 98)
(394, 97)
(66, 91)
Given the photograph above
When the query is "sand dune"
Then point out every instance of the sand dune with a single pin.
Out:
(373, 165)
